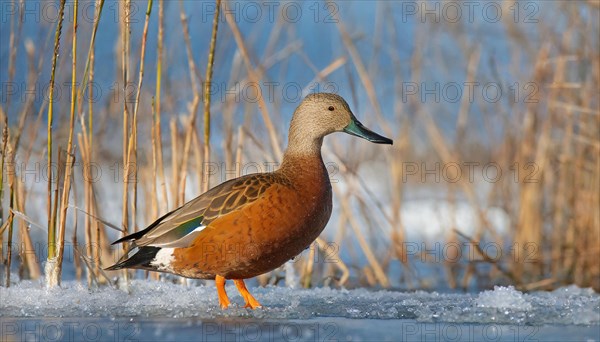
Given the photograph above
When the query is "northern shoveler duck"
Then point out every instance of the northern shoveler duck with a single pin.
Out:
(253, 224)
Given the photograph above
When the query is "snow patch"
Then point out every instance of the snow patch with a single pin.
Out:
(153, 299)
(503, 298)
(431, 220)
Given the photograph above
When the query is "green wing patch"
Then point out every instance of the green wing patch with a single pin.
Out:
(180, 236)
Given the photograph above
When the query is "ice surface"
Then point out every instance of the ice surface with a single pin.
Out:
(162, 311)
(252, 329)
(151, 299)
(503, 298)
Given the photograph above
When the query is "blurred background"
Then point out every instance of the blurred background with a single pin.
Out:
(493, 106)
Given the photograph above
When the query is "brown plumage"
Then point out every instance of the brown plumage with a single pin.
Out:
(253, 224)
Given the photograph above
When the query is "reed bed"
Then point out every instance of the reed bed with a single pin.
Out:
(546, 144)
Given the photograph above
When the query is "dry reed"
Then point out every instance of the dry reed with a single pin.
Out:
(557, 135)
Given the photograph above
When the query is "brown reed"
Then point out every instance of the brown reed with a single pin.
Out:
(555, 136)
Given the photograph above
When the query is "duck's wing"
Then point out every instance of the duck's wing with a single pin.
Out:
(178, 228)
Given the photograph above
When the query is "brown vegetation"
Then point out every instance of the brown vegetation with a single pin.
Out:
(551, 145)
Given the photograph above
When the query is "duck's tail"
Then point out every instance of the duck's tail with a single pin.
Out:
(136, 257)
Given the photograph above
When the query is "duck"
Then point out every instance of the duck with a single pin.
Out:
(252, 224)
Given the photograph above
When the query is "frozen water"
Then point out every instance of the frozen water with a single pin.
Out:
(569, 305)
(164, 311)
(251, 329)
(503, 298)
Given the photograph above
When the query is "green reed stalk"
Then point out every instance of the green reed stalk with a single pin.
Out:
(51, 219)
(55, 276)
(208, 79)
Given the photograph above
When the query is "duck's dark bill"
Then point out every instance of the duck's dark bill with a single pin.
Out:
(357, 129)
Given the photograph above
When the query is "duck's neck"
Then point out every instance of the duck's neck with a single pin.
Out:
(303, 156)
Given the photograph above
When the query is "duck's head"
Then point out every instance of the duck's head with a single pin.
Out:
(320, 114)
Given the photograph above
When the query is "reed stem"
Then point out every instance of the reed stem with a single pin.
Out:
(51, 217)
(207, 88)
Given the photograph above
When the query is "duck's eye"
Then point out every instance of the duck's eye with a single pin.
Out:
(331, 108)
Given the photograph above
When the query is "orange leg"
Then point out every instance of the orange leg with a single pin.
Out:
(251, 302)
(223, 299)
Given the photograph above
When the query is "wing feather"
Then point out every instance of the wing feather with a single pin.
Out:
(181, 226)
